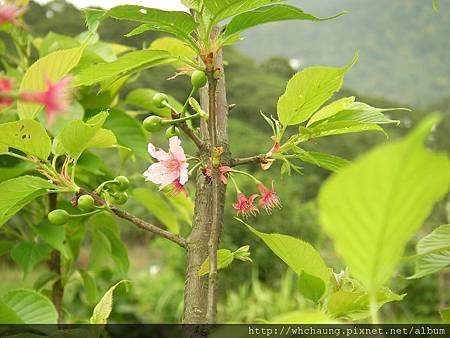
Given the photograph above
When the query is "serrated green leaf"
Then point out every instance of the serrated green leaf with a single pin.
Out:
(336, 128)
(194, 4)
(103, 309)
(356, 305)
(31, 307)
(300, 256)
(18, 192)
(373, 207)
(90, 287)
(433, 252)
(54, 235)
(307, 90)
(128, 131)
(125, 65)
(311, 287)
(331, 109)
(181, 24)
(54, 66)
(176, 48)
(224, 258)
(327, 161)
(271, 13)
(222, 9)
(28, 254)
(28, 136)
(76, 136)
(93, 18)
(103, 138)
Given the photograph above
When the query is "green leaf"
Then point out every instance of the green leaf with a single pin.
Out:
(103, 138)
(433, 252)
(103, 309)
(373, 207)
(311, 287)
(307, 90)
(93, 18)
(143, 98)
(44, 279)
(77, 136)
(194, 4)
(18, 192)
(90, 287)
(154, 202)
(26, 307)
(54, 235)
(54, 66)
(176, 48)
(125, 65)
(28, 254)
(222, 9)
(181, 24)
(331, 109)
(105, 230)
(326, 161)
(272, 13)
(356, 305)
(300, 256)
(5, 246)
(336, 128)
(224, 258)
(445, 315)
(6, 173)
(28, 136)
(128, 131)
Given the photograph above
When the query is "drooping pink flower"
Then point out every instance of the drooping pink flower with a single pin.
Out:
(245, 206)
(176, 187)
(6, 85)
(10, 13)
(269, 198)
(170, 167)
(222, 171)
(56, 98)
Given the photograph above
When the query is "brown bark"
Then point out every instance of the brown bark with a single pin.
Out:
(196, 288)
(55, 266)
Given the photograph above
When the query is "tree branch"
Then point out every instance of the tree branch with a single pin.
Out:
(137, 221)
(192, 135)
(261, 158)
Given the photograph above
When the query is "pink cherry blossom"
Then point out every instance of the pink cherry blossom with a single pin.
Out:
(171, 166)
(56, 98)
(269, 198)
(10, 13)
(222, 171)
(6, 85)
(245, 206)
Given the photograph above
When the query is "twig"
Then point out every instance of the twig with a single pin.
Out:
(261, 158)
(138, 222)
(192, 135)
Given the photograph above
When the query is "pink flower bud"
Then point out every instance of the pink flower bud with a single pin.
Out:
(6, 85)
(10, 13)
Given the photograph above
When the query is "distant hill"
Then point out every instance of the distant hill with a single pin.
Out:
(404, 45)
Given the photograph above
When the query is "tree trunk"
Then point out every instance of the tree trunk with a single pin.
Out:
(196, 288)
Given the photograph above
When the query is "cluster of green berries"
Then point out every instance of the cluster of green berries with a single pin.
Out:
(155, 123)
(86, 203)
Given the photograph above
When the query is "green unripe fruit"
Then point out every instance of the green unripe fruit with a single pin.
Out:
(153, 123)
(123, 183)
(120, 198)
(159, 99)
(198, 79)
(86, 203)
(58, 217)
(172, 131)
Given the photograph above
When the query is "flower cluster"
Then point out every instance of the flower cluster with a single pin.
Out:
(268, 200)
(56, 98)
(171, 169)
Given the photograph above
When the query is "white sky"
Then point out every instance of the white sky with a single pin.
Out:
(162, 4)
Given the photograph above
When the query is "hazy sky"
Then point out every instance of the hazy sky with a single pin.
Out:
(163, 4)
